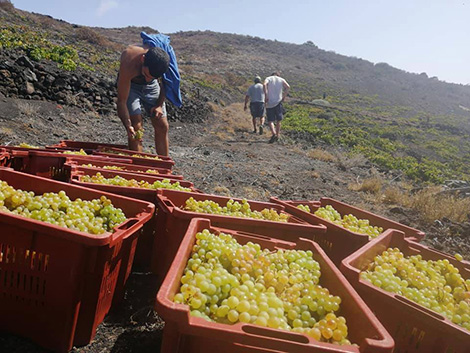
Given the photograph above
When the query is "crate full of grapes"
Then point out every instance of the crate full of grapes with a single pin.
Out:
(234, 292)
(140, 186)
(64, 252)
(175, 210)
(420, 295)
(348, 227)
(125, 167)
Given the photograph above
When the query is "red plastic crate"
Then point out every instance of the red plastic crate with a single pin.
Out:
(339, 242)
(164, 162)
(173, 220)
(50, 164)
(19, 157)
(87, 146)
(128, 168)
(189, 334)
(144, 252)
(414, 328)
(56, 284)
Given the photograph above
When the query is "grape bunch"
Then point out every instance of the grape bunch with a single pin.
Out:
(139, 134)
(81, 152)
(114, 167)
(227, 282)
(118, 180)
(305, 208)
(349, 221)
(435, 284)
(234, 209)
(95, 216)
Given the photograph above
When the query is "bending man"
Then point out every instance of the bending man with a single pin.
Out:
(139, 84)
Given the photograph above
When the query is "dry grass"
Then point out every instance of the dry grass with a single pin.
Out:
(223, 191)
(371, 185)
(234, 118)
(431, 205)
(322, 155)
(394, 195)
(89, 35)
(26, 108)
(428, 203)
(252, 193)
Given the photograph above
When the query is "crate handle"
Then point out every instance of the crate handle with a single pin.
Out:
(126, 225)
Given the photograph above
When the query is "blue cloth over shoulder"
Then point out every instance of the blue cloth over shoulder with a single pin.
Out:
(171, 78)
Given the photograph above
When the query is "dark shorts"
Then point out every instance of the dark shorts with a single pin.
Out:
(143, 95)
(257, 109)
(276, 113)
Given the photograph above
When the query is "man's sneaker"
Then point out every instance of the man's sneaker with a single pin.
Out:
(273, 139)
(261, 129)
(254, 131)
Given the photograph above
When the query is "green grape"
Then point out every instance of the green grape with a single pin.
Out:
(305, 208)
(94, 216)
(118, 180)
(349, 221)
(248, 284)
(234, 209)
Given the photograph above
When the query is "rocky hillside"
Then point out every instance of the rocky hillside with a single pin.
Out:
(416, 125)
(217, 62)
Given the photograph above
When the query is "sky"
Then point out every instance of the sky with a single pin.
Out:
(417, 36)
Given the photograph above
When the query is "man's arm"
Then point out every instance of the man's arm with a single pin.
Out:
(265, 89)
(247, 98)
(123, 88)
(285, 89)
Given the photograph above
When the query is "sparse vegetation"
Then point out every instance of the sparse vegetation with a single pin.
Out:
(389, 144)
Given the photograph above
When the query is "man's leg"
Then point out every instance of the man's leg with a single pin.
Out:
(134, 144)
(161, 127)
(261, 118)
(254, 124)
(278, 128)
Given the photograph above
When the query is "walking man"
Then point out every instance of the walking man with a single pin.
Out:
(275, 90)
(255, 95)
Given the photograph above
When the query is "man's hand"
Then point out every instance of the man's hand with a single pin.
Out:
(156, 112)
(244, 108)
(130, 132)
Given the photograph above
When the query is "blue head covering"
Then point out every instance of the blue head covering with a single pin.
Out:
(171, 78)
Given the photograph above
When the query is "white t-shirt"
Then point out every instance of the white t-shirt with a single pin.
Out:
(274, 87)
